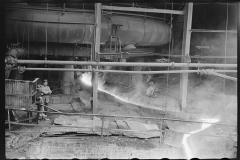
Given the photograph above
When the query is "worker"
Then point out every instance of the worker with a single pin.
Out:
(149, 77)
(151, 89)
(44, 98)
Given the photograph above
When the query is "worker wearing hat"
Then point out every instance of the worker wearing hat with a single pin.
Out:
(44, 100)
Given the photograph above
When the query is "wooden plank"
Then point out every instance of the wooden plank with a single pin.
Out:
(133, 9)
(133, 125)
(185, 51)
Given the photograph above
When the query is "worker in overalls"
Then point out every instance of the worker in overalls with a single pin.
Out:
(44, 99)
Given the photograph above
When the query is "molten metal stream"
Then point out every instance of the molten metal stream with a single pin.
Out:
(184, 141)
(86, 78)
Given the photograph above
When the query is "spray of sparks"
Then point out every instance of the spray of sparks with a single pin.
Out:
(86, 78)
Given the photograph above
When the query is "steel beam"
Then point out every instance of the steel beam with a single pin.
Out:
(185, 51)
(126, 64)
(96, 52)
(133, 9)
(38, 21)
(119, 71)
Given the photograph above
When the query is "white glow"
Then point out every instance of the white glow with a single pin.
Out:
(184, 141)
(86, 78)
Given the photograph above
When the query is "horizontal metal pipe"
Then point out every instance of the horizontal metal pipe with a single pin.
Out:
(220, 75)
(17, 52)
(85, 11)
(155, 118)
(196, 56)
(133, 9)
(58, 22)
(71, 28)
(126, 64)
(118, 71)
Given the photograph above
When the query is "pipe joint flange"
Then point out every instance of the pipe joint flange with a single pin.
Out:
(21, 69)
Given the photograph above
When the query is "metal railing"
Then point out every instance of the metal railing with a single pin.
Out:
(103, 118)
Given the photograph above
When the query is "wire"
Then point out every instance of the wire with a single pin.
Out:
(28, 39)
(204, 22)
(224, 81)
(46, 32)
(17, 23)
(169, 53)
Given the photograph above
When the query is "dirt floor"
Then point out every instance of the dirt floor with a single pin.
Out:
(202, 100)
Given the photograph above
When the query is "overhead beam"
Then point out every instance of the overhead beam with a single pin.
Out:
(133, 9)
(185, 52)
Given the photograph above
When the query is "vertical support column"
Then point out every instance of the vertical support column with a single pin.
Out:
(185, 52)
(96, 51)
(67, 79)
(238, 41)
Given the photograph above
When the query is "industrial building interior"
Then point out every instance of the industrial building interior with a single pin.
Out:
(127, 80)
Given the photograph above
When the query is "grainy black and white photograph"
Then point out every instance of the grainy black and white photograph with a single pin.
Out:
(121, 80)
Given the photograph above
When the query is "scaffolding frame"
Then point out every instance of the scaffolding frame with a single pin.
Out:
(185, 64)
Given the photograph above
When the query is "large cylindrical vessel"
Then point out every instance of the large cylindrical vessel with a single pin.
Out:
(61, 27)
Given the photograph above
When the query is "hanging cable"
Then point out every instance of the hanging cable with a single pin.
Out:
(28, 39)
(204, 23)
(17, 24)
(164, 13)
(169, 52)
(46, 33)
(226, 36)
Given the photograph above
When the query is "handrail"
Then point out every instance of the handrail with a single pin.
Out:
(121, 116)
